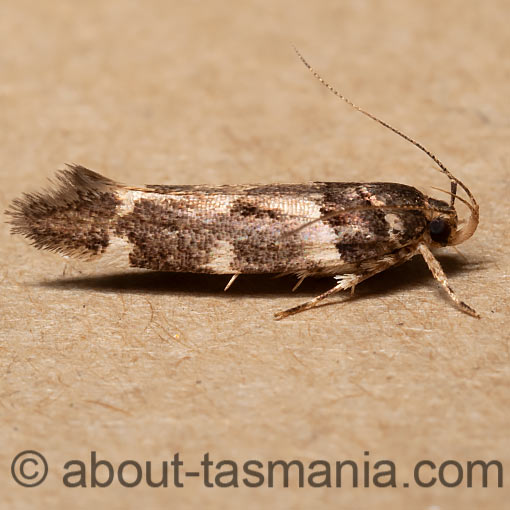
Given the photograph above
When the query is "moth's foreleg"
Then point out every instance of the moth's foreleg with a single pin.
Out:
(438, 273)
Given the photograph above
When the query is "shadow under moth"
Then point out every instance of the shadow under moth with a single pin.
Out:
(347, 230)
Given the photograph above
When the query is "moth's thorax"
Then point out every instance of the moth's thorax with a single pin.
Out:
(442, 223)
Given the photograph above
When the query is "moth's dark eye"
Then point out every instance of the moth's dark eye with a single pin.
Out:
(439, 230)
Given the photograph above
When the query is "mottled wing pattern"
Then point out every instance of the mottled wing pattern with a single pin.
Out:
(256, 229)
(316, 228)
(232, 229)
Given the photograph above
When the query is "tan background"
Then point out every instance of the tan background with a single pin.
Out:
(143, 366)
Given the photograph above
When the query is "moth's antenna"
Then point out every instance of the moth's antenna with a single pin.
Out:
(470, 228)
(453, 197)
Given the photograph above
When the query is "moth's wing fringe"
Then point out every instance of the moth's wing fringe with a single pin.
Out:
(31, 214)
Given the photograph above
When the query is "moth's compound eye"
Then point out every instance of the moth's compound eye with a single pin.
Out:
(439, 230)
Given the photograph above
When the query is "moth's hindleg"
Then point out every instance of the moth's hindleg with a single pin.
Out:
(300, 281)
(231, 281)
(438, 273)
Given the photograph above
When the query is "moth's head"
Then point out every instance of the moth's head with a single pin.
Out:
(442, 229)
(442, 225)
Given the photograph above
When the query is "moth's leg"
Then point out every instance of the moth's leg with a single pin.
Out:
(300, 281)
(437, 272)
(231, 281)
(347, 281)
(308, 304)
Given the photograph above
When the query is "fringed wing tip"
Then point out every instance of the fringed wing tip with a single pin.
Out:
(64, 188)
(82, 178)
(28, 213)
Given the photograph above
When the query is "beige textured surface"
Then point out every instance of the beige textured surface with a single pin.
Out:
(143, 366)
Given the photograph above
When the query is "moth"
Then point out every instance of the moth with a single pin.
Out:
(347, 230)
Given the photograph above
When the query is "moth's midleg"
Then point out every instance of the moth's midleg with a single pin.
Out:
(438, 273)
(309, 304)
(349, 281)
